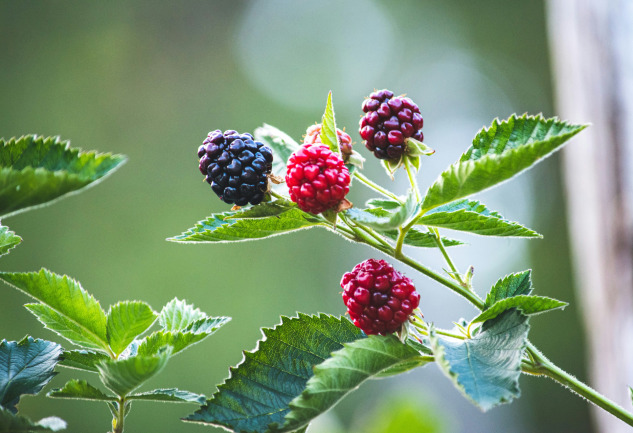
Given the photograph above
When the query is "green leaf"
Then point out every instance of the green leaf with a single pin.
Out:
(127, 320)
(25, 368)
(328, 128)
(80, 390)
(499, 153)
(383, 203)
(528, 305)
(344, 371)
(486, 368)
(169, 395)
(82, 359)
(417, 238)
(381, 219)
(472, 216)
(36, 170)
(260, 388)
(66, 308)
(221, 228)
(8, 240)
(263, 210)
(123, 376)
(12, 423)
(281, 144)
(509, 286)
(178, 315)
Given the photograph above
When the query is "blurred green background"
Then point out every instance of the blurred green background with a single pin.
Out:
(150, 79)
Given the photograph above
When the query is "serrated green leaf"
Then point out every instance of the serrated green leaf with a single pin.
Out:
(178, 315)
(344, 371)
(528, 305)
(472, 216)
(220, 228)
(385, 204)
(13, 423)
(36, 170)
(82, 359)
(25, 368)
(264, 209)
(259, 389)
(66, 308)
(328, 127)
(8, 240)
(485, 368)
(169, 395)
(417, 238)
(80, 390)
(281, 144)
(123, 376)
(384, 220)
(509, 286)
(499, 153)
(127, 320)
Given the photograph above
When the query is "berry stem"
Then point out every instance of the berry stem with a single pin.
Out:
(412, 181)
(368, 182)
(438, 240)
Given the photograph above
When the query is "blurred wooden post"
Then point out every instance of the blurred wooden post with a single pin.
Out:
(592, 56)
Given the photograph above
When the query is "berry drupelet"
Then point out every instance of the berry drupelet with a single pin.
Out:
(387, 122)
(378, 298)
(236, 166)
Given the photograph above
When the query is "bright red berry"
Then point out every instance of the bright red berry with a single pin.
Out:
(317, 178)
(387, 122)
(313, 136)
(378, 298)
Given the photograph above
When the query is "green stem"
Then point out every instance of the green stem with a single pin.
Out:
(118, 421)
(412, 181)
(447, 258)
(377, 187)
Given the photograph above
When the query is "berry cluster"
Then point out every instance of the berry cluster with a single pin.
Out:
(317, 178)
(313, 136)
(378, 298)
(236, 166)
(387, 122)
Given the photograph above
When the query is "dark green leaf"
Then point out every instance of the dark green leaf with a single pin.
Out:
(281, 144)
(220, 228)
(66, 308)
(486, 368)
(499, 153)
(345, 370)
(260, 388)
(12, 423)
(509, 286)
(82, 359)
(25, 368)
(328, 127)
(382, 219)
(36, 170)
(169, 395)
(8, 240)
(127, 320)
(80, 390)
(472, 216)
(123, 376)
(527, 304)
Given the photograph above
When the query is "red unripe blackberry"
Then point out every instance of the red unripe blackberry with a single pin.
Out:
(378, 298)
(313, 136)
(236, 166)
(317, 178)
(387, 122)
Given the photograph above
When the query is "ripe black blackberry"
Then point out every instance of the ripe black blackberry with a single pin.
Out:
(236, 166)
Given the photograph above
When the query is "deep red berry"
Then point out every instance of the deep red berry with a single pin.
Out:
(378, 298)
(313, 136)
(387, 122)
(317, 178)
(236, 166)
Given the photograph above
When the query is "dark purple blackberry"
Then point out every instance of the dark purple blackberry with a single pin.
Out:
(387, 122)
(236, 166)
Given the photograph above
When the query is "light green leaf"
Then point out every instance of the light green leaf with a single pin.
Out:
(123, 376)
(220, 228)
(472, 216)
(178, 315)
(263, 210)
(25, 368)
(509, 286)
(499, 153)
(528, 305)
(485, 368)
(381, 219)
(260, 388)
(12, 423)
(127, 320)
(385, 204)
(66, 308)
(8, 240)
(328, 128)
(169, 395)
(281, 144)
(82, 359)
(80, 390)
(417, 238)
(345, 371)
(36, 170)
